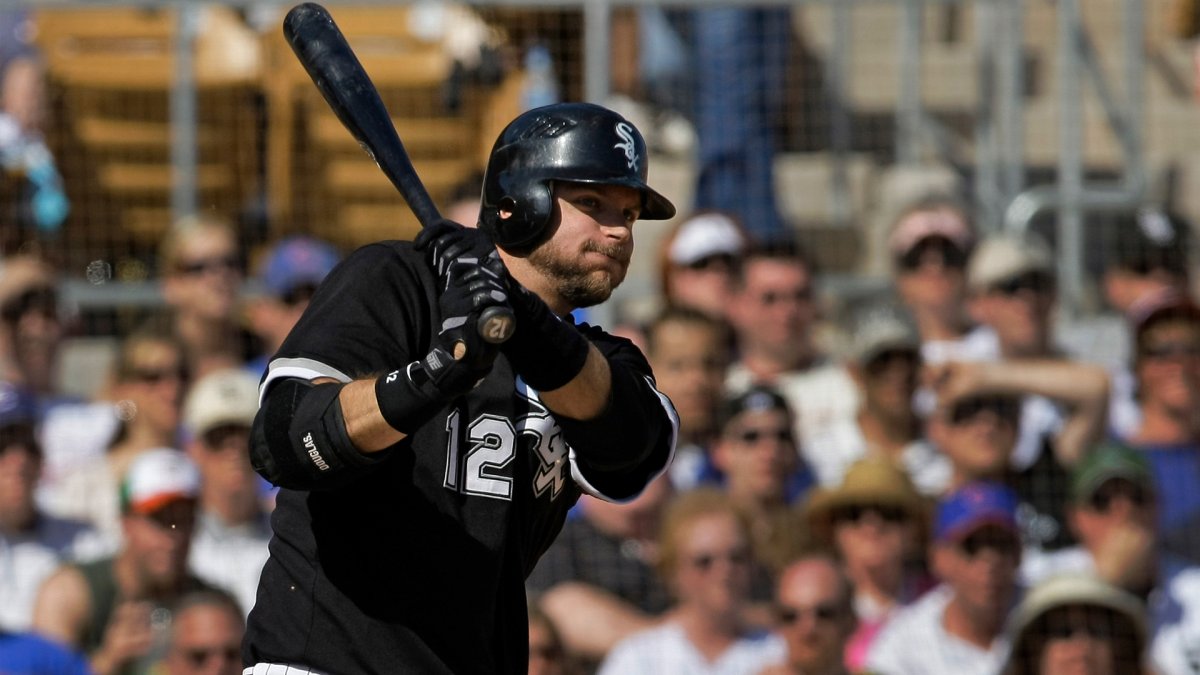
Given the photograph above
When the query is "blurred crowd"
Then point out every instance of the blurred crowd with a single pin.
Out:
(943, 488)
(937, 485)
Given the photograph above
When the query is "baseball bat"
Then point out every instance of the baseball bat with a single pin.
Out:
(346, 87)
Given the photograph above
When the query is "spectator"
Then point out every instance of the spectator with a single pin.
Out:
(958, 627)
(229, 547)
(32, 654)
(876, 522)
(206, 635)
(201, 269)
(930, 243)
(289, 275)
(31, 328)
(698, 262)
(774, 313)
(760, 464)
(32, 543)
(145, 396)
(689, 353)
(546, 653)
(1166, 330)
(816, 617)
(598, 582)
(1149, 256)
(1077, 624)
(22, 74)
(885, 363)
(116, 609)
(707, 560)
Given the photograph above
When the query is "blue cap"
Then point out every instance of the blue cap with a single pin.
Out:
(972, 506)
(16, 406)
(297, 261)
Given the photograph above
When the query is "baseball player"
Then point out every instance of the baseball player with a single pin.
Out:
(419, 489)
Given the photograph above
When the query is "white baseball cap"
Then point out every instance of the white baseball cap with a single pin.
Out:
(224, 397)
(156, 478)
(704, 235)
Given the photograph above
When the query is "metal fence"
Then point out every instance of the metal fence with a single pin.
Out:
(1039, 111)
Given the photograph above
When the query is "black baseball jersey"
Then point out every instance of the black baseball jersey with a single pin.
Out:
(416, 563)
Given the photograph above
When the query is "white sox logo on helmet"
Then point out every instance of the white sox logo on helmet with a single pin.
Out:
(627, 144)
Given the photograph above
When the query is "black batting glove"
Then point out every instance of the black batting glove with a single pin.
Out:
(546, 351)
(446, 242)
(460, 357)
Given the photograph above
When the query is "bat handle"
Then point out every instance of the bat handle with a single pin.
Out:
(496, 324)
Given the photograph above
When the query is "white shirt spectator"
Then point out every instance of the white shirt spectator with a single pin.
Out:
(820, 397)
(842, 444)
(666, 650)
(26, 561)
(915, 642)
(230, 557)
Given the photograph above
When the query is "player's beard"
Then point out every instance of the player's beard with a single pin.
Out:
(575, 283)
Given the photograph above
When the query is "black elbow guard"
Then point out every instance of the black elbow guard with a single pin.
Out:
(300, 440)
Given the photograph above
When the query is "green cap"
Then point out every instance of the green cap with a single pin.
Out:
(1110, 460)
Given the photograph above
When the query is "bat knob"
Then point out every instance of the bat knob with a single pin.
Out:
(496, 324)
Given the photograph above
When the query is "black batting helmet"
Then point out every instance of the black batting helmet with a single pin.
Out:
(576, 142)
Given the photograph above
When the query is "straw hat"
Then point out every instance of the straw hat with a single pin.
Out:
(871, 480)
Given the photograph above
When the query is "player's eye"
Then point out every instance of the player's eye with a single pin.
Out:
(631, 215)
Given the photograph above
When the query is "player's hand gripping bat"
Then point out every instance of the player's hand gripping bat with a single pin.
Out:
(344, 84)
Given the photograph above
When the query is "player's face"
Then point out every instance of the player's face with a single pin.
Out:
(689, 365)
(813, 618)
(589, 248)
(207, 641)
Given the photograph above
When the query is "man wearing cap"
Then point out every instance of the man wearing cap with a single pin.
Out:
(774, 315)
(32, 543)
(115, 609)
(884, 361)
(232, 529)
(958, 627)
(1149, 256)
(31, 328)
(699, 260)
(1166, 365)
(1077, 624)
(875, 521)
(930, 242)
(289, 275)
(762, 473)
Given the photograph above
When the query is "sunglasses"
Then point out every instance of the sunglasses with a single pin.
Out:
(225, 437)
(705, 561)
(1001, 541)
(1170, 350)
(1033, 282)
(722, 262)
(884, 361)
(855, 513)
(822, 613)
(43, 300)
(967, 410)
(1104, 496)
(797, 296)
(1065, 622)
(753, 436)
(947, 254)
(300, 294)
(545, 652)
(154, 375)
(229, 263)
(198, 657)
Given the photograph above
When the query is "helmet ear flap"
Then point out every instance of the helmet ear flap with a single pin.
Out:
(530, 206)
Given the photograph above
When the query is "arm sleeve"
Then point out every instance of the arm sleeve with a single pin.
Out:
(616, 454)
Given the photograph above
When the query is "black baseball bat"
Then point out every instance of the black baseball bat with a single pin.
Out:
(346, 87)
